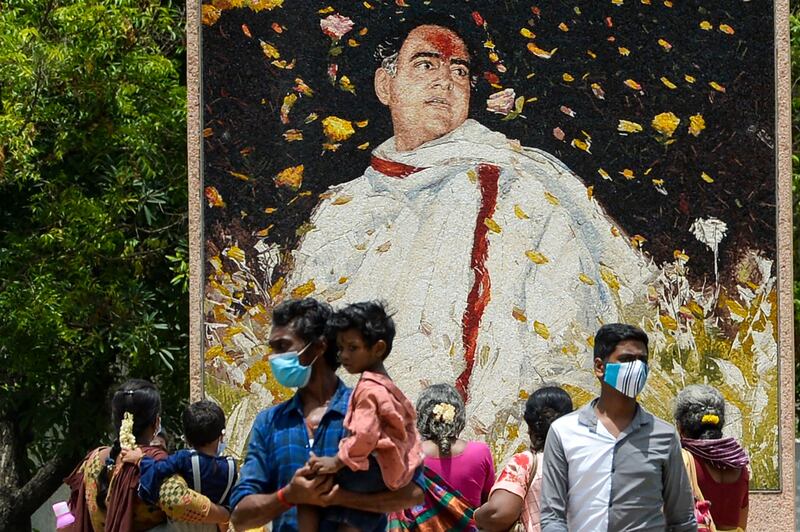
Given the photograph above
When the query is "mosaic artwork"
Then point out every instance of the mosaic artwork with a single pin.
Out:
(507, 176)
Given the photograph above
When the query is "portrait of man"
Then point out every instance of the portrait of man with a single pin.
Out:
(507, 178)
(470, 237)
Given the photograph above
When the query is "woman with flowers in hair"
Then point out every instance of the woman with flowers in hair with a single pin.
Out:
(719, 464)
(104, 489)
(466, 465)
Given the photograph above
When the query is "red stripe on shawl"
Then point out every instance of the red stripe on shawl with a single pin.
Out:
(392, 168)
(480, 294)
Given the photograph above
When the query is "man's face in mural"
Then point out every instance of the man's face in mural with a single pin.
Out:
(428, 95)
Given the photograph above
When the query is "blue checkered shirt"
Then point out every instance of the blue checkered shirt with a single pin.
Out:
(279, 446)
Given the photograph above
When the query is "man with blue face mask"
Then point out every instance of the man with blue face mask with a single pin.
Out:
(612, 465)
(274, 478)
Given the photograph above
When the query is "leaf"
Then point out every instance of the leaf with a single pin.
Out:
(626, 126)
(383, 248)
(541, 329)
(237, 175)
(519, 213)
(537, 257)
(304, 289)
(586, 279)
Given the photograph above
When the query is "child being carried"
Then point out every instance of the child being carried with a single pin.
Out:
(382, 449)
(201, 466)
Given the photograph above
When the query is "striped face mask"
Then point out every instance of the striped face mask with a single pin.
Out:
(626, 377)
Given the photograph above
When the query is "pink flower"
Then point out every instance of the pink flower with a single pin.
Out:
(335, 26)
(501, 102)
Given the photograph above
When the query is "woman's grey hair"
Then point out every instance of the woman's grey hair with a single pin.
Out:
(431, 425)
(700, 412)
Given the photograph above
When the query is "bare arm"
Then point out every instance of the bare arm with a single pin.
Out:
(500, 512)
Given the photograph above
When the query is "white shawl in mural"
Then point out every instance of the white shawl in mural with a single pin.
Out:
(498, 264)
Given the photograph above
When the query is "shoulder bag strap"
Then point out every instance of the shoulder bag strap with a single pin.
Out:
(231, 470)
(196, 472)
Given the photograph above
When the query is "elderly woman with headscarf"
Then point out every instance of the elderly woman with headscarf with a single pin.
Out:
(720, 462)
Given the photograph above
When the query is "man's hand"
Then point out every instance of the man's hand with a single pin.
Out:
(132, 456)
(325, 465)
(306, 487)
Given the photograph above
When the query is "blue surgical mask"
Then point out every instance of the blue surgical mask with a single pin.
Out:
(626, 377)
(287, 369)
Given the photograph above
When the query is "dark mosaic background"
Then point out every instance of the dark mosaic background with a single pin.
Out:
(243, 93)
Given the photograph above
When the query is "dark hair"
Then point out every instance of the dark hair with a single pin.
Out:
(308, 317)
(141, 399)
(203, 422)
(369, 318)
(700, 412)
(543, 407)
(611, 334)
(466, 30)
(431, 426)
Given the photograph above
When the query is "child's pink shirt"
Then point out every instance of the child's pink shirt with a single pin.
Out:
(381, 420)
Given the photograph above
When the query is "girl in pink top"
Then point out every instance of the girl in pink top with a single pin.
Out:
(467, 466)
(515, 496)
(382, 449)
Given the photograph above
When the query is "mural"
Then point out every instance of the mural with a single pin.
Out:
(507, 176)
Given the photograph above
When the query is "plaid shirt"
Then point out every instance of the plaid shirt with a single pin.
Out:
(279, 446)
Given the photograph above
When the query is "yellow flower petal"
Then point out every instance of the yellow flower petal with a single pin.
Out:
(724, 28)
(304, 289)
(341, 200)
(666, 123)
(337, 129)
(665, 45)
(689, 79)
(705, 25)
(291, 177)
(668, 322)
(626, 126)
(528, 34)
(551, 199)
(668, 83)
(609, 277)
(586, 279)
(707, 178)
(717, 87)
(541, 329)
(696, 124)
(567, 77)
(270, 51)
(519, 213)
(633, 85)
(492, 225)
(624, 51)
(538, 52)
(519, 314)
(536, 257)
(236, 253)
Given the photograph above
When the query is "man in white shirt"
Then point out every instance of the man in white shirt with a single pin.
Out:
(497, 261)
(611, 465)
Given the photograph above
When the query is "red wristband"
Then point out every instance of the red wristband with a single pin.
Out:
(282, 499)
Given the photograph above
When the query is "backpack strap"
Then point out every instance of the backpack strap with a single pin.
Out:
(196, 472)
(231, 472)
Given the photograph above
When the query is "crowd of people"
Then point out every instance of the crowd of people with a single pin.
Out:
(333, 458)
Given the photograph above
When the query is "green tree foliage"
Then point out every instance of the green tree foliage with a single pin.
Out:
(92, 228)
(794, 22)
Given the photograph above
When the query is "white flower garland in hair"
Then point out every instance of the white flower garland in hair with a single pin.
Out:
(444, 412)
(126, 438)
